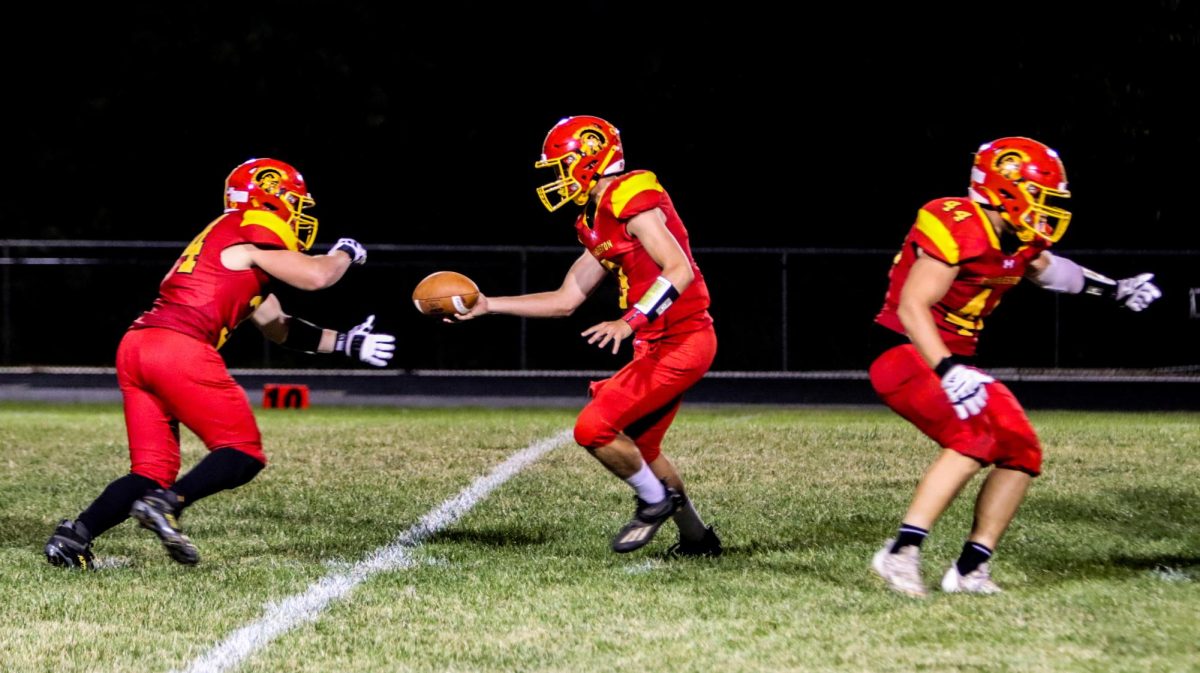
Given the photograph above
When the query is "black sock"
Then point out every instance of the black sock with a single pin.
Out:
(221, 470)
(973, 554)
(909, 536)
(111, 507)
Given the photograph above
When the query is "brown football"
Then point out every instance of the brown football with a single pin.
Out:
(444, 293)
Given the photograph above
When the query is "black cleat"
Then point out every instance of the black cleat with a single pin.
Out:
(158, 512)
(707, 547)
(70, 546)
(645, 522)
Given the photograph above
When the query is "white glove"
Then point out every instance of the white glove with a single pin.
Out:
(358, 253)
(965, 387)
(359, 342)
(1138, 292)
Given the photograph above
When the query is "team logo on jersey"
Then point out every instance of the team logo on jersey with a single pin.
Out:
(1010, 263)
(1008, 164)
(268, 179)
(591, 142)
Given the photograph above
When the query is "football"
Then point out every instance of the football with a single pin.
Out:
(444, 293)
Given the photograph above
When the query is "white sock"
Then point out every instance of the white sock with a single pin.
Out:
(648, 487)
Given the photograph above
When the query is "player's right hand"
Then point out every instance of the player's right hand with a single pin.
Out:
(1138, 292)
(356, 250)
(480, 308)
(965, 387)
(363, 343)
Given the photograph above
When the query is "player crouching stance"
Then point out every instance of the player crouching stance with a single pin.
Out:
(960, 257)
(170, 373)
(630, 228)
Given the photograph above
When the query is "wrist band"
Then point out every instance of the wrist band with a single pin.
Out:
(657, 299)
(1097, 284)
(303, 336)
(946, 364)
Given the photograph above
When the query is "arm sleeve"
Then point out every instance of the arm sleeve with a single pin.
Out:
(1060, 275)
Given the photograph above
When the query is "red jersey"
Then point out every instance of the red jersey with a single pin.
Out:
(605, 236)
(957, 232)
(199, 296)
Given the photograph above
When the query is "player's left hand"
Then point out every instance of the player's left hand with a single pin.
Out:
(1138, 292)
(360, 342)
(355, 250)
(967, 389)
(615, 331)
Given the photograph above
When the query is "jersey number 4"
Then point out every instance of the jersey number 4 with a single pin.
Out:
(190, 253)
(967, 319)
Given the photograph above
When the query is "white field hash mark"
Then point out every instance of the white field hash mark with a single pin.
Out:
(279, 617)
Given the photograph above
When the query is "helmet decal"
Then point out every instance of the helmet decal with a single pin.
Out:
(268, 179)
(591, 142)
(1008, 164)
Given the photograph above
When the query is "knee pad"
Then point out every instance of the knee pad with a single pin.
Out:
(592, 431)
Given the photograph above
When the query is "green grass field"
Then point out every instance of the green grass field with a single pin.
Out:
(1102, 566)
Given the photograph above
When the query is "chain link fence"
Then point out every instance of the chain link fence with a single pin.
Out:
(782, 312)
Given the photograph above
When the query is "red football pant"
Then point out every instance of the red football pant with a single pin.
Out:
(642, 399)
(166, 378)
(1000, 434)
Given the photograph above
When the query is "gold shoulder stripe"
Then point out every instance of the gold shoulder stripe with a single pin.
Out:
(936, 231)
(272, 223)
(631, 187)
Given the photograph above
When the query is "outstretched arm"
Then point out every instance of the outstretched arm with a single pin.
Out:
(1059, 274)
(306, 272)
(300, 335)
(581, 279)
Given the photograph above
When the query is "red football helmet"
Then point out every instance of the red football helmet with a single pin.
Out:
(581, 150)
(270, 184)
(1024, 180)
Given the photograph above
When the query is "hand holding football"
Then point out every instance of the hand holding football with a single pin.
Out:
(445, 293)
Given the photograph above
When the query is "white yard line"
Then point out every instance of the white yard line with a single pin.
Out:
(282, 616)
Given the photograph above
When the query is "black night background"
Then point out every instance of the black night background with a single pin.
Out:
(777, 129)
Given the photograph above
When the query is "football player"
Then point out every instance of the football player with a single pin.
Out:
(170, 372)
(960, 257)
(630, 229)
